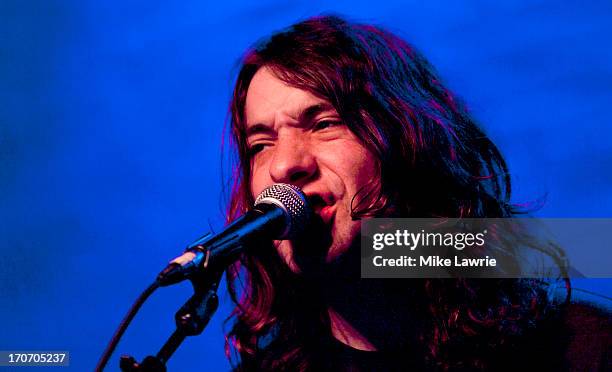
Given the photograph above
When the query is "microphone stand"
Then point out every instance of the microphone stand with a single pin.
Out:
(191, 319)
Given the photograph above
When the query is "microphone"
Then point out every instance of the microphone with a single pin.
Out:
(281, 211)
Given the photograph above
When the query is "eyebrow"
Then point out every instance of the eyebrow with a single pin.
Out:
(258, 128)
(312, 111)
(306, 114)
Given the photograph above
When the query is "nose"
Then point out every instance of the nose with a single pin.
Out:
(293, 161)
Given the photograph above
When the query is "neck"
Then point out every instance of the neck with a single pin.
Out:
(374, 314)
(344, 332)
(369, 314)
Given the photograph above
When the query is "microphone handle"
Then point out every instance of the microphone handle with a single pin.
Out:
(216, 252)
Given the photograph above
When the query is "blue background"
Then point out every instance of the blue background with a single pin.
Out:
(111, 119)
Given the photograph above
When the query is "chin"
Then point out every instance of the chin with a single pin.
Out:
(343, 241)
(317, 251)
(336, 251)
(316, 263)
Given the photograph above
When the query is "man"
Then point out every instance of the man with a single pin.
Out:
(359, 120)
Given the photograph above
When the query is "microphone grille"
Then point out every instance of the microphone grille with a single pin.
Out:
(292, 200)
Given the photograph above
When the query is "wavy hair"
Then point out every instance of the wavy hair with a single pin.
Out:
(433, 161)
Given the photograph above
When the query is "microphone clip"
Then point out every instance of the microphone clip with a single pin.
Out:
(196, 256)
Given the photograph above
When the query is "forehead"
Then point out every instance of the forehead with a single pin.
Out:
(268, 96)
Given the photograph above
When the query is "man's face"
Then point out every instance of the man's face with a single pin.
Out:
(295, 137)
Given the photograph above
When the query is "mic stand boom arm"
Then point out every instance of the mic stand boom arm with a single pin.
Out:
(191, 319)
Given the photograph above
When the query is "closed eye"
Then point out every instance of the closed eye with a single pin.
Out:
(323, 124)
(254, 149)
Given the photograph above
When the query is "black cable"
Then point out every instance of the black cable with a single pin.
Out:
(124, 324)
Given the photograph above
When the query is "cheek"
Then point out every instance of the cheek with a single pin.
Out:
(365, 165)
(254, 185)
(259, 179)
(353, 163)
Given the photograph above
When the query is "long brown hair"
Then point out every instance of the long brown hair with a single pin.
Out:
(433, 160)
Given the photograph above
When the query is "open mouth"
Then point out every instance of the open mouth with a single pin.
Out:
(326, 211)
